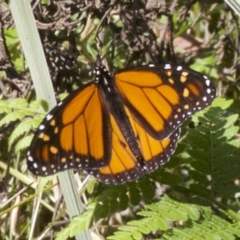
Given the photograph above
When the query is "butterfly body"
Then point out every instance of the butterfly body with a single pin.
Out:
(120, 126)
(115, 106)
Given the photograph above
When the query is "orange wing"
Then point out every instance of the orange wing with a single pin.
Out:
(123, 165)
(70, 137)
(120, 130)
(161, 98)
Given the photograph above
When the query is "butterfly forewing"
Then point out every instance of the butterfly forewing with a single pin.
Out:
(161, 98)
(70, 137)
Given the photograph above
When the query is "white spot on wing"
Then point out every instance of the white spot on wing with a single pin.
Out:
(209, 91)
(41, 127)
(167, 66)
(49, 117)
(179, 68)
(207, 81)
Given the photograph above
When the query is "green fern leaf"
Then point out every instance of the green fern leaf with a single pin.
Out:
(165, 177)
(214, 151)
(235, 230)
(213, 228)
(36, 122)
(12, 117)
(18, 109)
(134, 230)
(174, 211)
(4, 107)
(78, 224)
(117, 198)
(158, 217)
(22, 128)
(200, 223)
(18, 103)
(231, 120)
(23, 143)
(39, 104)
(111, 200)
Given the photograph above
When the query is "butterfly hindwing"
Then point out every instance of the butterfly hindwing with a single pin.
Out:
(124, 166)
(70, 137)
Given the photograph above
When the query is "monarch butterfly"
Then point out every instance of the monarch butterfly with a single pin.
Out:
(119, 127)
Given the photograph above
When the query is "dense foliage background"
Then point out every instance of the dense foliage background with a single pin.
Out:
(195, 195)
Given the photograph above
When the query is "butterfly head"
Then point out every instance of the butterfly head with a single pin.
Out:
(101, 75)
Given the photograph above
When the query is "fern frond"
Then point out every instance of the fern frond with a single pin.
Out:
(78, 224)
(212, 228)
(112, 199)
(23, 143)
(174, 220)
(18, 112)
(134, 230)
(4, 108)
(12, 117)
(214, 152)
(157, 216)
(18, 109)
(21, 129)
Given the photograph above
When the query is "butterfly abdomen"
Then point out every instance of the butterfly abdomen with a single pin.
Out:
(115, 106)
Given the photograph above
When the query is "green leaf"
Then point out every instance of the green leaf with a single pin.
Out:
(38, 104)
(22, 128)
(18, 103)
(78, 224)
(23, 143)
(210, 144)
(12, 117)
(4, 107)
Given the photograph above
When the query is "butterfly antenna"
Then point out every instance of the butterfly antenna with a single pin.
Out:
(101, 58)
